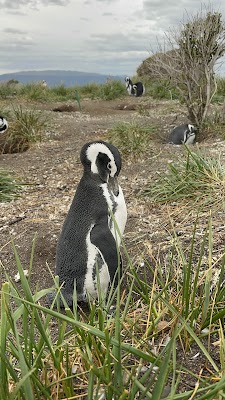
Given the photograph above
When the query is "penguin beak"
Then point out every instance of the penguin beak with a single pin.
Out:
(113, 185)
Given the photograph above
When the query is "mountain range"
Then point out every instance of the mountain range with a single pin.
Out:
(58, 77)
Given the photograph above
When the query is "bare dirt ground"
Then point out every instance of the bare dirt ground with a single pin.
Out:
(52, 169)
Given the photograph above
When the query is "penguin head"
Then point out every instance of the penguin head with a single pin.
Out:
(128, 82)
(134, 89)
(3, 124)
(103, 161)
(189, 134)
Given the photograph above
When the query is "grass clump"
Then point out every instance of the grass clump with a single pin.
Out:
(130, 354)
(25, 127)
(198, 178)
(112, 89)
(9, 187)
(33, 91)
(131, 138)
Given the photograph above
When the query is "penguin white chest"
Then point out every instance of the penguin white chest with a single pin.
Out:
(117, 212)
(95, 260)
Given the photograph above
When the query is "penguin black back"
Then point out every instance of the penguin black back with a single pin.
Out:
(183, 134)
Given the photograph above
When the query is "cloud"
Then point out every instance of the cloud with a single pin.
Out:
(14, 31)
(35, 4)
(167, 14)
(121, 42)
(107, 14)
(17, 45)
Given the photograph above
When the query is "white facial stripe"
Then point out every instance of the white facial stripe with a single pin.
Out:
(191, 127)
(92, 152)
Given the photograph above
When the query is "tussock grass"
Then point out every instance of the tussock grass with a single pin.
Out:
(132, 138)
(33, 91)
(25, 127)
(110, 90)
(130, 354)
(9, 187)
(200, 179)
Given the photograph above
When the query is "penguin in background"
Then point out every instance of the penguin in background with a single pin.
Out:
(134, 89)
(183, 134)
(138, 89)
(3, 124)
(89, 239)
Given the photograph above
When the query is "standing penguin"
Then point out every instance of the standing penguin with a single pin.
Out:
(138, 89)
(3, 124)
(183, 134)
(87, 248)
(134, 89)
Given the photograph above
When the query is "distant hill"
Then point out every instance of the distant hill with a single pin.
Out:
(55, 78)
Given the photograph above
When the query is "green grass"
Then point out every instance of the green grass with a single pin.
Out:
(132, 138)
(9, 186)
(95, 354)
(26, 126)
(195, 178)
(110, 90)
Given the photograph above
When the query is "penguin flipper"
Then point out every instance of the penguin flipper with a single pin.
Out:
(105, 242)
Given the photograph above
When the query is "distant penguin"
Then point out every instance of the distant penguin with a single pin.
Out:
(129, 85)
(183, 134)
(134, 89)
(3, 125)
(138, 89)
(89, 239)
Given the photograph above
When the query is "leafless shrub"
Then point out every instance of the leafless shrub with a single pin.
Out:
(195, 49)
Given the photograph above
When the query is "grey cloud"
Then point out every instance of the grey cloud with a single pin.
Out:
(170, 12)
(120, 42)
(14, 31)
(15, 4)
(133, 42)
(107, 14)
(17, 44)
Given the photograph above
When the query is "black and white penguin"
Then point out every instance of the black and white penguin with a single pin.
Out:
(3, 124)
(129, 86)
(135, 89)
(89, 241)
(138, 89)
(183, 134)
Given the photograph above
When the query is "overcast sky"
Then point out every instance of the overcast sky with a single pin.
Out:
(105, 36)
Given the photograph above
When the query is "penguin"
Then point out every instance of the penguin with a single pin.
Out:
(129, 86)
(136, 89)
(185, 133)
(3, 124)
(87, 249)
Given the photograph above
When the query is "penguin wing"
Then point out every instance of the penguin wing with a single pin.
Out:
(103, 239)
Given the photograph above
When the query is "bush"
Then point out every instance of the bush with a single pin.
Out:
(33, 91)
(112, 90)
(26, 127)
(199, 178)
(131, 138)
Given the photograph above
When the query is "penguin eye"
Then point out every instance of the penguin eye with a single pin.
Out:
(109, 166)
